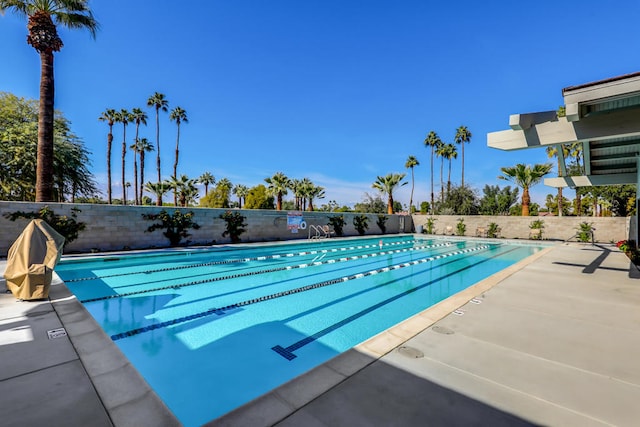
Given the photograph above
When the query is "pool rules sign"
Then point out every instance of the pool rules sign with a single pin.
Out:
(295, 221)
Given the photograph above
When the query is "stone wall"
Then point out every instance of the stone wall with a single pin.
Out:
(117, 227)
(607, 229)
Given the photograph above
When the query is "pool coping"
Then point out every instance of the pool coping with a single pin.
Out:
(129, 400)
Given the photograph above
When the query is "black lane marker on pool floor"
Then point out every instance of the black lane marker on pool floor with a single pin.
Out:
(256, 272)
(236, 261)
(222, 310)
(287, 352)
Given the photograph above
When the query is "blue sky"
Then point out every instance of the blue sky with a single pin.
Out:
(339, 91)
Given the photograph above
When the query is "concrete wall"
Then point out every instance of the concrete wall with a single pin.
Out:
(608, 229)
(116, 227)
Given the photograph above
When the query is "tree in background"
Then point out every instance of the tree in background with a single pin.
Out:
(387, 185)
(219, 195)
(179, 116)
(124, 117)
(143, 146)
(411, 163)
(316, 192)
(525, 177)
(497, 201)
(109, 116)
(463, 136)
(432, 140)
(460, 201)
(259, 198)
(43, 37)
(450, 153)
(18, 153)
(159, 189)
(139, 117)
(206, 179)
(241, 192)
(159, 102)
(371, 204)
(277, 187)
(552, 151)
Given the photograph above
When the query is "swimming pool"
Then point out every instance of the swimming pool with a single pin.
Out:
(213, 329)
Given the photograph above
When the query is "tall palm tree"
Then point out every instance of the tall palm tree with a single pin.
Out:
(463, 135)
(441, 151)
(277, 186)
(432, 140)
(109, 116)
(159, 102)
(450, 154)
(316, 192)
(42, 18)
(183, 188)
(206, 179)
(139, 117)
(411, 163)
(159, 189)
(525, 177)
(124, 117)
(143, 147)
(177, 115)
(552, 151)
(387, 185)
(241, 191)
(305, 188)
(294, 186)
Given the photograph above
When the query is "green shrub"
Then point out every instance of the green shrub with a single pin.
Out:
(424, 207)
(337, 222)
(493, 230)
(175, 225)
(431, 222)
(360, 222)
(538, 224)
(460, 227)
(584, 231)
(235, 225)
(382, 223)
(68, 227)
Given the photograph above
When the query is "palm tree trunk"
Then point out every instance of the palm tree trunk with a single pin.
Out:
(462, 164)
(559, 188)
(109, 143)
(431, 181)
(449, 179)
(441, 179)
(141, 173)
(175, 164)
(44, 166)
(124, 153)
(390, 204)
(526, 200)
(159, 198)
(411, 197)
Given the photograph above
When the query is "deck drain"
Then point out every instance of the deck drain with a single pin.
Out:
(56, 333)
(443, 330)
(411, 352)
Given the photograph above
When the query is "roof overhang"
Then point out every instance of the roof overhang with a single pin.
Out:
(604, 116)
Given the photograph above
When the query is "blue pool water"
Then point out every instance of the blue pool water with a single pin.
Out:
(212, 329)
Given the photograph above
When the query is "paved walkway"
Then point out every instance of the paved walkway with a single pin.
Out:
(556, 342)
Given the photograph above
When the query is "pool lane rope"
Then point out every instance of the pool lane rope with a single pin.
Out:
(256, 272)
(222, 310)
(239, 260)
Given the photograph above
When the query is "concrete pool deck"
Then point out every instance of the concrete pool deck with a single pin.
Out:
(554, 340)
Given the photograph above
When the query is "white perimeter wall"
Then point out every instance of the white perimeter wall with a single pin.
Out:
(117, 227)
(608, 229)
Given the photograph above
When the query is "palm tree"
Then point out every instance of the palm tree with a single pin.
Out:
(411, 163)
(177, 115)
(139, 117)
(182, 188)
(158, 188)
(123, 117)
(158, 101)
(43, 37)
(277, 187)
(387, 184)
(463, 135)
(295, 187)
(206, 179)
(525, 177)
(432, 140)
(241, 191)
(441, 151)
(143, 146)
(450, 153)
(552, 151)
(109, 116)
(316, 192)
